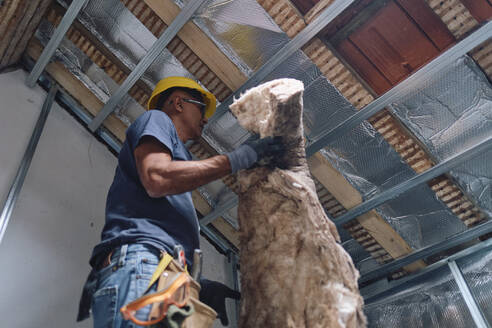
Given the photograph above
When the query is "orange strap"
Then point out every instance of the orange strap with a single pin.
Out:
(164, 296)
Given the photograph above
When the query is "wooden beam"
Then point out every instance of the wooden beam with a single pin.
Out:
(78, 90)
(316, 10)
(349, 197)
(18, 21)
(200, 44)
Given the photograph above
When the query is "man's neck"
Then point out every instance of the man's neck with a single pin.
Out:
(180, 129)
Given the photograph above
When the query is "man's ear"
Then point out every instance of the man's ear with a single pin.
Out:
(178, 104)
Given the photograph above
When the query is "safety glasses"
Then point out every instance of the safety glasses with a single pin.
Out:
(201, 105)
(177, 292)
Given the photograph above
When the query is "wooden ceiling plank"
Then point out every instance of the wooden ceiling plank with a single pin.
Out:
(201, 44)
(77, 89)
(316, 10)
(432, 25)
(349, 197)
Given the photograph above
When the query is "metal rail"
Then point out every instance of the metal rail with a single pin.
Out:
(26, 162)
(146, 61)
(430, 250)
(372, 295)
(418, 78)
(220, 210)
(81, 114)
(67, 20)
(326, 16)
(470, 300)
(232, 257)
(216, 239)
(407, 185)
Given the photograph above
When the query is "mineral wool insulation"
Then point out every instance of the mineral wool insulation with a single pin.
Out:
(362, 155)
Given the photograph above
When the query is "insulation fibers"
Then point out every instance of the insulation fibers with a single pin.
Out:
(450, 113)
(432, 301)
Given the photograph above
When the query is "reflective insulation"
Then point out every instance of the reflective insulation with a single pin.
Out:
(477, 270)
(450, 113)
(420, 218)
(248, 40)
(129, 40)
(91, 75)
(433, 300)
(371, 165)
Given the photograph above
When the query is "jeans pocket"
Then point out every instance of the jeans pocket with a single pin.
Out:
(104, 307)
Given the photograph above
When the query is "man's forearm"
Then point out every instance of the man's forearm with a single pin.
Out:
(181, 176)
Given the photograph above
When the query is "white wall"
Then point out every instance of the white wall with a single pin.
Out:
(59, 214)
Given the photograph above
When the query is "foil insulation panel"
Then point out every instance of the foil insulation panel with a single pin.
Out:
(477, 270)
(93, 77)
(431, 301)
(248, 40)
(450, 113)
(127, 38)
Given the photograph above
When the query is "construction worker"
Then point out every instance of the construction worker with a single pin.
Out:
(149, 207)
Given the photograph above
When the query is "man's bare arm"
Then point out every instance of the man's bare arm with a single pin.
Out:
(161, 176)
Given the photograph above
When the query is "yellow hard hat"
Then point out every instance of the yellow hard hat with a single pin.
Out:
(183, 82)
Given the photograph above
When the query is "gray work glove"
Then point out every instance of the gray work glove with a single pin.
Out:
(255, 150)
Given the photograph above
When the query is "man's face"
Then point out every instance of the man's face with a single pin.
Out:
(194, 113)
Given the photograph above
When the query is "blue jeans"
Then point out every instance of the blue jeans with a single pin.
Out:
(121, 282)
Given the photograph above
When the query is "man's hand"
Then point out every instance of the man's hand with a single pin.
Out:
(214, 294)
(261, 151)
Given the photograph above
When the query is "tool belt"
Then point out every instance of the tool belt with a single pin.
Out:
(175, 303)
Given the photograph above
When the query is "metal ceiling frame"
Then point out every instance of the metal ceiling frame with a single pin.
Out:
(25, 163)
(157, 48)
(48, 52)
(374, 293)
(450, 242)
(470, 300)
(310, 31)
(413, 182)
(330, 13)
(418, 78)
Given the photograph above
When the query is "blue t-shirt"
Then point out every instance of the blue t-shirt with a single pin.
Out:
(132, 216)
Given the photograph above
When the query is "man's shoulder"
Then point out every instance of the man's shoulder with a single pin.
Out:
(153, 119)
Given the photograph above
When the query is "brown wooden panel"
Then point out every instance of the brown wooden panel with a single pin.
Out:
(394, 43)
(480, 9)
(304, 5)
(345, 18)
(429, 22)
(363, 66)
